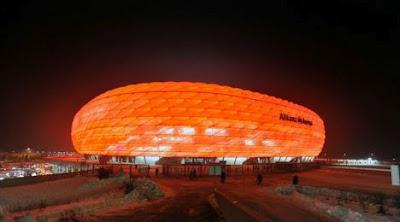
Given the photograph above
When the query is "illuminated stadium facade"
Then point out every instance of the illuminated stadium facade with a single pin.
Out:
(195, 122)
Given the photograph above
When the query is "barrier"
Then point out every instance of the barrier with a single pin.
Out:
(395, 173)
(169, 171)
(235, 170)
(42, 178)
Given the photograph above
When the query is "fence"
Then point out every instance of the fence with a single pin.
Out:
(43, 178)
(167, 170)
(235, 170)
(207, 170)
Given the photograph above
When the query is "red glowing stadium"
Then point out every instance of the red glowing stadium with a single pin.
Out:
(195, 120)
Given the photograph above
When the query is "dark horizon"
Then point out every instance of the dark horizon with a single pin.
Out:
(338, 59)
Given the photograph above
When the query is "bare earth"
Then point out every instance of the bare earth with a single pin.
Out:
(351, 180)
(188, 200)
(185, 200)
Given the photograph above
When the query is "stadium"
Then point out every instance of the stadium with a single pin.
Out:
(186, 122)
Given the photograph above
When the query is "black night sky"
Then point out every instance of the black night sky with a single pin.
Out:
(338, 58)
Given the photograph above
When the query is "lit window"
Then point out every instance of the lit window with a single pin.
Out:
(268, 143)
(215, 132)
(170, 139)
(130, 138)
(249, 142)
(187, 131)
(164, 148)
(156, 139)
(167, 130)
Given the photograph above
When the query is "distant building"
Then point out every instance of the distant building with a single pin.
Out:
(195, 122)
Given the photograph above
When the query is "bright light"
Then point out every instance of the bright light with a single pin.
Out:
(164, 148)
(171, 139)
(131, 138)
(153, 148)
(249, 142)
(156, 139)
(268, 143)
(187, 131)
(215, 132)
(167, 130)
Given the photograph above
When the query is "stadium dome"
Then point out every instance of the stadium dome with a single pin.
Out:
(185, 119)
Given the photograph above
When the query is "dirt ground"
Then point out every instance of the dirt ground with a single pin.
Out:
(188, 200)
(350, 180)
(261, 201)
